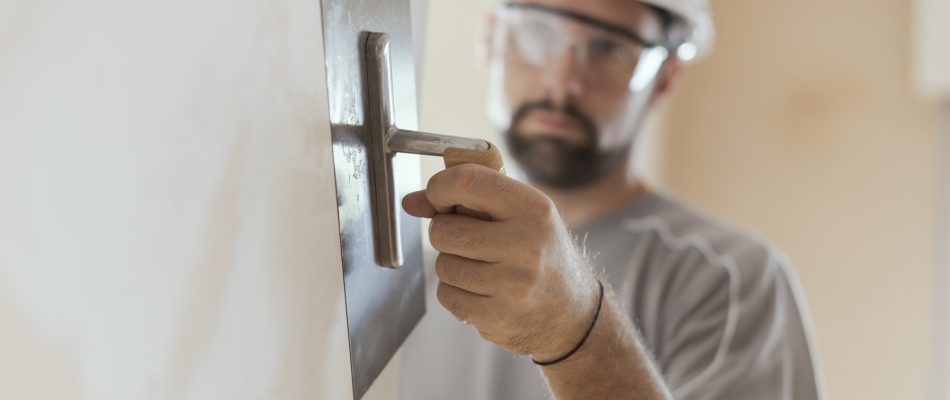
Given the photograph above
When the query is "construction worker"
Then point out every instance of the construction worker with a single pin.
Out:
(585, 284)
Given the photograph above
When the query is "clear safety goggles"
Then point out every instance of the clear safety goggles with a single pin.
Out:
(605, 55)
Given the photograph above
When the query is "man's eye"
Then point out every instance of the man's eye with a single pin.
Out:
(605, 48)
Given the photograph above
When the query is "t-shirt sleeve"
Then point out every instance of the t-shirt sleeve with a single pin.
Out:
(735, 330)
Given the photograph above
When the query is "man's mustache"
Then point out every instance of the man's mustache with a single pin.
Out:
(568, 109)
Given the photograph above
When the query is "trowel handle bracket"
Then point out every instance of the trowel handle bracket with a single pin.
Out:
(385, 139)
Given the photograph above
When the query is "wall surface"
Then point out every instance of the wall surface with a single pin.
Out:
(168, 225)
(805, 126)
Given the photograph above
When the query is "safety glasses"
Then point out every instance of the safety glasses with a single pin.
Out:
(606, 56)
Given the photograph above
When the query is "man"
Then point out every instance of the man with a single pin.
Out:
(587, 285)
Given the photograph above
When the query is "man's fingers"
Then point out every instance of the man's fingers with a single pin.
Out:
(469, 275)
(467, 237)
(463, 305)
(417, 205)
(483, 189)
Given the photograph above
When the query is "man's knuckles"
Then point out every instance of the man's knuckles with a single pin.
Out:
(454, 272)
(540, 209)
(446, 232)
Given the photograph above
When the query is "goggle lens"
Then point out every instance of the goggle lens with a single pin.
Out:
(603, 58)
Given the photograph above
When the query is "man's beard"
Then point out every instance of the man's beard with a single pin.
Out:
(558, 163)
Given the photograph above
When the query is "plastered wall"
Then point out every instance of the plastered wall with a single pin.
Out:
(168, 224)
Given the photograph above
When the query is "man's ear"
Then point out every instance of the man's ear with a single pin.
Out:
(669, 76)
(485, 47)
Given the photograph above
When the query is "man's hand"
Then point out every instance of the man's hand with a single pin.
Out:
(519, 279)
(522, 283)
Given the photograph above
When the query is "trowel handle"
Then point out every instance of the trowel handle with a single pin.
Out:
(490, 158)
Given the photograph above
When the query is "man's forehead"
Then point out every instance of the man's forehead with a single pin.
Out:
(630, 14)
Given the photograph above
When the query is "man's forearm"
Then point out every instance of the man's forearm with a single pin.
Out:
(612, 363)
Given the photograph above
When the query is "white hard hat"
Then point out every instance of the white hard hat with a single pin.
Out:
(701, 32)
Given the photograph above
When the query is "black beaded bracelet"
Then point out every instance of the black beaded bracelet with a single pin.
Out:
(600, 303)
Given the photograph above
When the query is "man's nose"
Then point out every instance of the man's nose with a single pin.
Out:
(563, 80)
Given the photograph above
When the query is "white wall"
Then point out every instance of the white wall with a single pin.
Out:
(167, 203)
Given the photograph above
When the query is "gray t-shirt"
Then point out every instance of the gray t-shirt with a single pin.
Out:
(720, 312)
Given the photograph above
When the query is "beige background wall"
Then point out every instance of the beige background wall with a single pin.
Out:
(804, 127)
